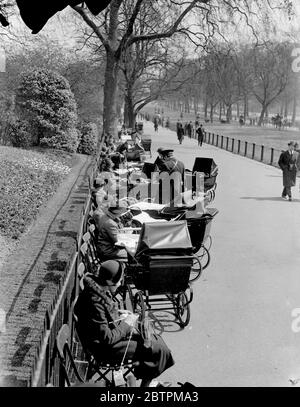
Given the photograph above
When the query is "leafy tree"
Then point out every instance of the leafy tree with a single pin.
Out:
(44, 99)
(114, 31)
(89, 139)
(271, 68)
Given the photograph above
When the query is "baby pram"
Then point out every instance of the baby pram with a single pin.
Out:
(158, 275)
(199, 227)
(209, 168)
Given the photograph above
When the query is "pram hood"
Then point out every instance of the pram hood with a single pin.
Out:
(164, 235)
(206, 165)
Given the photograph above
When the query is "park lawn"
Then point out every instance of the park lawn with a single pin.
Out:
(267, 136)
(27, 179)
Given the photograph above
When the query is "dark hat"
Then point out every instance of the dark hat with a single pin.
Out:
(117, 210)
(110, 270)
(159, 150)
(165, 151)
(291, 143)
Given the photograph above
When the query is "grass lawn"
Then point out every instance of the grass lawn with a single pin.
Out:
(27, 179)
(267, 136)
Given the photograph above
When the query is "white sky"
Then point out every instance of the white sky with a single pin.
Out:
(58, 28)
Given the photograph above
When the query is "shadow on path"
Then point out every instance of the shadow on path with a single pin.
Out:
(164, 321)
(266, 198)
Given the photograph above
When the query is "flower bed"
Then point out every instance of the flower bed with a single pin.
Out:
(27, 180)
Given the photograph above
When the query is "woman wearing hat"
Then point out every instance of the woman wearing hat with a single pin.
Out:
(288, 163)
(108, 332)
(108, 226)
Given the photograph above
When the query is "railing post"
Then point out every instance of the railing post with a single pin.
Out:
(262, 153)
(222, 139)
(232, 145)
(239, 146)
(227, 140)
(246, 148)
(253, 151)
(272, 156)
(217, 140)
(213, 138)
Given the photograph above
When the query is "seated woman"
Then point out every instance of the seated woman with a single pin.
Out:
(108, 226)
(106, 334)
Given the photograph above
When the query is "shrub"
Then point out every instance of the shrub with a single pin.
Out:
(89, 139)
(62, 140)
(44, 99)
(19, 134)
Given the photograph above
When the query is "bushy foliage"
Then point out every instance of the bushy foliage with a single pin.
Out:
(89, 139)
(63, 140)
(45, 100)
(19, 134)
(27, 180)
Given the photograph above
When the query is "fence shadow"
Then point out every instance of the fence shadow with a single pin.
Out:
(266, 198)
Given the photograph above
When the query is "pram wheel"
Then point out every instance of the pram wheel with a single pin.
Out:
(196, 269)
(139, 306)
(204, 257)
(183, 312)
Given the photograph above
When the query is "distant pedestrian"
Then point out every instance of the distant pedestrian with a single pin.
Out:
(189, 129)
(178, 124)
(200, 135)
(167, 123)
(155, 124)
(180, 133)
(186, 129)
(288, 163)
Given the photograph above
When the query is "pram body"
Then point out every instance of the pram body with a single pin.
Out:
(158, 275)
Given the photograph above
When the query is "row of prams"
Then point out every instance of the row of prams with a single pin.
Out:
(170, 257)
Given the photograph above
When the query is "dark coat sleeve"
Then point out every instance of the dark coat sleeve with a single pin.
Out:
(108, 333)
(282, 161)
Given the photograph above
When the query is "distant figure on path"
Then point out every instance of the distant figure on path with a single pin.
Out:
(288, 163)
(190, 129)
(180, 133)
(200, 135)
(156, 124)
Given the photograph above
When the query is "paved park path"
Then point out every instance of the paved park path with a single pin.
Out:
(240, 332)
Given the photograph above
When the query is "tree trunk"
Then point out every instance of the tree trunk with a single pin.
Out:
(238, 110)
(262, 114)
(110, 94)
(211, 112)
(220, 111)
(245, 107)
(286, 108)
(196, 102)
(229, 113)
(205, 109)
(294, 110)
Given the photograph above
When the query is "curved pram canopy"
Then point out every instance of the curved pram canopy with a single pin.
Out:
(164, 236)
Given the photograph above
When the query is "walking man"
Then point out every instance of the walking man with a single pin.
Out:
(200, 135)
(288, 163)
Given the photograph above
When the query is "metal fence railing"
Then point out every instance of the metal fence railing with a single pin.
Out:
(258, 152)
(46, 369)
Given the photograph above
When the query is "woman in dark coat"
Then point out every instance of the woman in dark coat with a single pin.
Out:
(106, 336)
(288, 163)
(180, 133)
